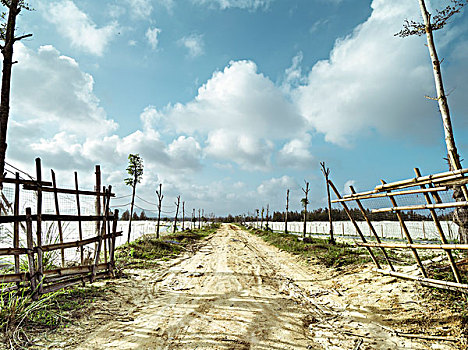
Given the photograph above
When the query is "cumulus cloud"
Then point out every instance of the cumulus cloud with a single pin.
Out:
(276, 187)
(242, 4)
(152, 37)
(76, 26)
(226, 104)
(53, 89)
(372, 81)
(194, 44)
(296, 154)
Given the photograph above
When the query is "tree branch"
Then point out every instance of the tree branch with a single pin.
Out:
(22, 37)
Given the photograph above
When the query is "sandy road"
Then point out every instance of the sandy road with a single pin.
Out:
(237, 292)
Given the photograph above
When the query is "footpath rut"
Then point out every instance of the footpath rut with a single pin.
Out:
(237, 292)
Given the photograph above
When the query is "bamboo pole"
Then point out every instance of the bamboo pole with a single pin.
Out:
(29, 243)
(417, 180)
(424, 279)
(415, 245)
(57, 211)
(40, 267)
(408, 236)
(422, 207)
(366, 195)
(455, 271)
(371, 227)
(78, 208)
(358, 230)
(16, 224)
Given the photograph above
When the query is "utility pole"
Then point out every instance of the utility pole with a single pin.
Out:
(286, 213)
(326, 173)
(305, 201)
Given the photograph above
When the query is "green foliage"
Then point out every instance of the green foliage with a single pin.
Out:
(125, 215)
(145, 251)
(134, 169)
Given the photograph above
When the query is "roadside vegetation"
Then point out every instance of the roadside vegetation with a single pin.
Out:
(146, 251)
(22, 318)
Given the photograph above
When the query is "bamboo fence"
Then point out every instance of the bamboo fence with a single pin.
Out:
(38, 277)
(430, 187)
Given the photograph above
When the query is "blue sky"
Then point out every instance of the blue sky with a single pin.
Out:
(231, 102)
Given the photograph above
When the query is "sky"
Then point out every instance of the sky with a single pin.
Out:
(232, 102)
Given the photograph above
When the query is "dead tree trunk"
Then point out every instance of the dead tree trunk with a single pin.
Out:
(460, 192)
(256, 219)
(305, 201)
(286, 213)
(267, 217)
(326, 173)
(160, 198)
(7, 51)
(261, 222)
(199, 219)
(183, 214)
(193, 219)
(176, 213)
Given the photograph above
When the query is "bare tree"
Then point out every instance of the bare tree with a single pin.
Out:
(199, 219)
(176, 213)
(160, 198)
(304, 202)
(326, 173)
(286, 213)
(7, 35)
(267, 213)
(135, 170)
(261, 222)
(193, 219)
(183, 214)
(256, 223)
(439, 20)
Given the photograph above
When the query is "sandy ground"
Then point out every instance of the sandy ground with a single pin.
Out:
(237, 292)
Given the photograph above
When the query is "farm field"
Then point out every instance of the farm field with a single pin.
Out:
(237, 292)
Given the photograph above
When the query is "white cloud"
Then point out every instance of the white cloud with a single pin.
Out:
(76, 26)
(296, 154)
(53, 89)
(372, 81)
(242, 4)
(276, 187)
(140, 9)
(152, 37)
(225, 104)
(194, 44)
(185, 152)
(346, 189)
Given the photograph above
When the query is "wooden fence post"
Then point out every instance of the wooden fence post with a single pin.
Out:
(29, 242)
(57, 211)
(40, 254)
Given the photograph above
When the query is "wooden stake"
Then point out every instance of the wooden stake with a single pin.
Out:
(326, 173)
(177, 212)
(40, 267)
(78, 208)
(455, 271)
(29, 242)
(57, 211)
(16, 224)
(407, 234)
(358, 230)
(371, 227)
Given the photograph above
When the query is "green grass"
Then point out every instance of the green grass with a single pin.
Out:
(146, 251)
(21, 317)
(340, 254)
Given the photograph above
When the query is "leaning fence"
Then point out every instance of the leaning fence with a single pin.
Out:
(52, 237)
(432, 195)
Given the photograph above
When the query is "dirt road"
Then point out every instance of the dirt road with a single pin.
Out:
(237, 292)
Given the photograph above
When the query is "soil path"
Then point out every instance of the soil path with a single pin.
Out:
(237, 292)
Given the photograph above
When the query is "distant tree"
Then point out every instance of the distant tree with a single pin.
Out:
(125, 215)
(135, 170)
(143, 215)
(7, 36)
(135, 217)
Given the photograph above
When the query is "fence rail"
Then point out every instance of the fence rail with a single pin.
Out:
(37, 253)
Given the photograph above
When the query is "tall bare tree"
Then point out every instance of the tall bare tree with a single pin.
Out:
(304, 202)
(261, 222)
(176, 213)
(267, 227)
(326, 173)
(7, 35)
(135, 170)
(160, 198)
(427, 27)
(183, 214)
